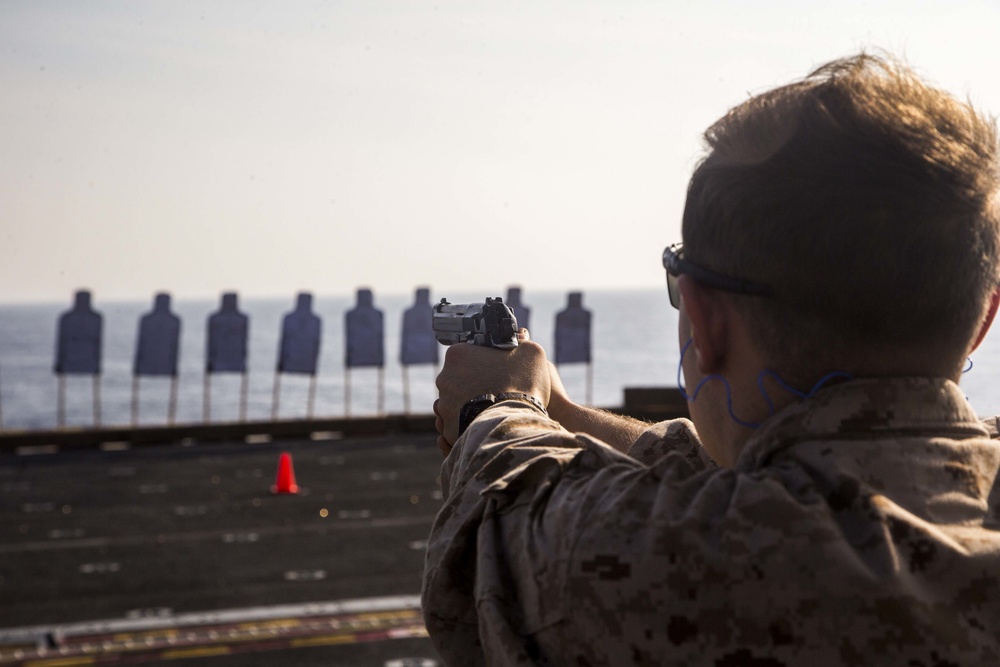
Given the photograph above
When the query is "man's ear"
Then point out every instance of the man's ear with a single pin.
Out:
(708, 317)
(988, 320)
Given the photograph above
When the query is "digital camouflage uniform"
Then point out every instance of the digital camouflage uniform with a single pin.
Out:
(858, 527)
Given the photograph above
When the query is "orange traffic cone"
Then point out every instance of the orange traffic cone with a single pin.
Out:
(285, 482)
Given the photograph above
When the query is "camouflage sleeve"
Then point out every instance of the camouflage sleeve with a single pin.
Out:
(499, 548)
(501, 439)
(673, 436)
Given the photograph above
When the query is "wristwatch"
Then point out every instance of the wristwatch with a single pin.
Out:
(479, 404)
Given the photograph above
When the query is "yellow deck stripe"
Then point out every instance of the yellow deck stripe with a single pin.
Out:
(62, 662)
(324, 640)
(194, 652)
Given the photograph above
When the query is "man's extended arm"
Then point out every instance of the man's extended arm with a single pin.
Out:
(615, 430)
(524, 370)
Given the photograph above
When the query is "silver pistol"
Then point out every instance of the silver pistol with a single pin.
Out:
(490, 324)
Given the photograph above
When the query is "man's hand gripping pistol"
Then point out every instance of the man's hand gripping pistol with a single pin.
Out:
(490, 324)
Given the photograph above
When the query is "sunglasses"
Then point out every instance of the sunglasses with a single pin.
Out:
(676, 265)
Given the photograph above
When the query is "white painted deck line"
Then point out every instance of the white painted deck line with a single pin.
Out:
(32, 634)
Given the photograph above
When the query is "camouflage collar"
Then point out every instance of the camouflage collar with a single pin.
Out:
(866, 409)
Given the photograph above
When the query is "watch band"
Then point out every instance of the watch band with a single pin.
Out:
(476, 406)
(518, 396)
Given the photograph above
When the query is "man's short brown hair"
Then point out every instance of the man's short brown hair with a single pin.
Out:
(866, 199)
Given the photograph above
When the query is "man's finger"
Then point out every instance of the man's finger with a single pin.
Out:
(523, 335)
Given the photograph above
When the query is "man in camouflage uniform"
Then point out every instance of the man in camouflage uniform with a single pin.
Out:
(838, 503)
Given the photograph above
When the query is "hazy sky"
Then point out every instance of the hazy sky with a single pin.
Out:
(270, 147)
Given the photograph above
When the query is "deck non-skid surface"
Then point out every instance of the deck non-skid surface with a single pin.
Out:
(184, 553)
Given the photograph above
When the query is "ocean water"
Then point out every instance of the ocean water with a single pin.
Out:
(634, 341)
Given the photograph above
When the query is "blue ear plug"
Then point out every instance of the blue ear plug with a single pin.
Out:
(760, 384)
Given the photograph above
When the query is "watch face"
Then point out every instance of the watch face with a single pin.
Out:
(473, 409)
